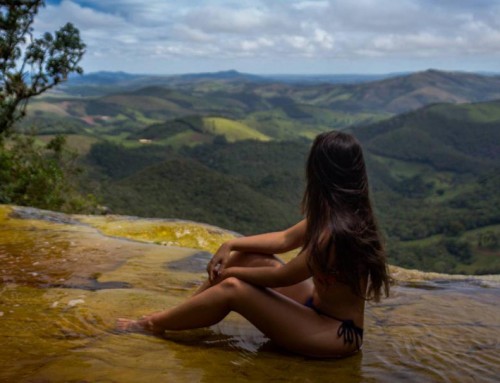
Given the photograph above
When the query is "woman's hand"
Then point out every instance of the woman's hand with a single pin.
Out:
(224, 274)
(218, 262)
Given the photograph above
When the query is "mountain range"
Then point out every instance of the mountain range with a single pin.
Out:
(137, 101)
(229, 149)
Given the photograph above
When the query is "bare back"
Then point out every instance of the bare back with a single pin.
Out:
(339, 301)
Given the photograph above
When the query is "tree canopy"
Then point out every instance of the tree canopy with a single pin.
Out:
(29, 65)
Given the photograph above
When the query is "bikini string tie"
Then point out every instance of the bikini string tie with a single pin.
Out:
(350, 332)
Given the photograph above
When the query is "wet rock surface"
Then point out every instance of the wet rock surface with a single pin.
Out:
(65, 280)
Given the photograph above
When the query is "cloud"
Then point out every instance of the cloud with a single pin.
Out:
(317, 5)
(136, 31)
(189, 34)
(233, 21)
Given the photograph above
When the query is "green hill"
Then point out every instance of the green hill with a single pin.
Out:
(440, 212)
(186, 189)
(276, 109)
(436, 175)
(261, 173)
(395, 95)
(275, 169)
(457, 138)
(196, 130)
(434, 171)
(129, 111)
(232, 130)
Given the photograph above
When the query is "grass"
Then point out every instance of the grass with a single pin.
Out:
(486, 112)
(403, 169)
(194, 130)
(144, 103)
(141, 118)
(483, 113)
(120, 139)
(77, 142)
(277, 125)
(232, 130)
(429, 241)
(427, 185)
(484, 262)
(46, 108)
(448, 184)
(186, 138)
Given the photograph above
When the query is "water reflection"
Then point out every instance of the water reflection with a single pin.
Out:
(63, 285)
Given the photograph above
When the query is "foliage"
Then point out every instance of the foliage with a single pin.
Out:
(30, 66)
(116, 161)
(447, 137)
(201, 184)
(281, 110)
(430, 215)
(185, 189)
(262, 185)
(489, 240)
(31, 174)
(41, 176)
(433, 172)
(204, 129)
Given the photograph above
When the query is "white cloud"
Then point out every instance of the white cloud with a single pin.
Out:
(134, 31)
(317, 5)
(256, 45)
(231, 21)
(186, 33)
(323, 38)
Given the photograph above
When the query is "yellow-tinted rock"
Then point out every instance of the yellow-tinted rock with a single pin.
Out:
(65, 280)
(162, 232)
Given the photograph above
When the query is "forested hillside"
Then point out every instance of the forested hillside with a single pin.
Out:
(248, 186)
(434, 173)
(436, 176)
(128, 103)
(230, 149)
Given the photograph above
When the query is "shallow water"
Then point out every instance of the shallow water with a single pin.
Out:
(64, 281)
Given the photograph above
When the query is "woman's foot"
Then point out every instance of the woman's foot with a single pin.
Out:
(144, 325)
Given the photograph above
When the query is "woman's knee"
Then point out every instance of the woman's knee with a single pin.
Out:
(238, 293)
(231, 283)
(236, 289)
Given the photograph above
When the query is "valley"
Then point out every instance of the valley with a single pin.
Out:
(229, 149)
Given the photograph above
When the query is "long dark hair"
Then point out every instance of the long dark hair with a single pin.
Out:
(342, 238)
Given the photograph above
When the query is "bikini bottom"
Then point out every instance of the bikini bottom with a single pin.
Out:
(347, 330)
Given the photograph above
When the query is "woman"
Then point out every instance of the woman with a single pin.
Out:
(314, 304)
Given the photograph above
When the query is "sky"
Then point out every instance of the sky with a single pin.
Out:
(282, 36)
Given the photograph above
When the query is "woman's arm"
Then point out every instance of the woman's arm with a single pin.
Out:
(269, 243)
(291, 273)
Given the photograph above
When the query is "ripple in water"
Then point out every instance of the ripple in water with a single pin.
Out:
(63, 288)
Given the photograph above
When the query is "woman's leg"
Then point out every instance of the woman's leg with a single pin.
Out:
(291, 325)
(299, 292)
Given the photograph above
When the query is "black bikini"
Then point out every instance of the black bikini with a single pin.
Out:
(348, 330)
